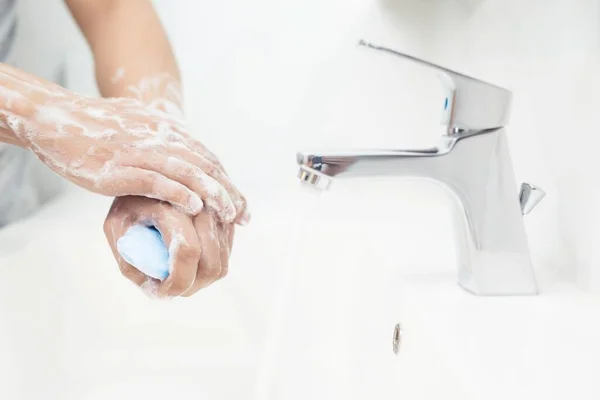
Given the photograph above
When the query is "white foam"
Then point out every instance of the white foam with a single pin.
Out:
(97, 163)
(118, 76)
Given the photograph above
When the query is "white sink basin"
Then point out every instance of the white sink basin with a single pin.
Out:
(335, 328)
(355, 279)
(520, 348)
(317, 286)
(332, 332)
(72, 328)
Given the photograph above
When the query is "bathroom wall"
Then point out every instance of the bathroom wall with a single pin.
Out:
(265, 78)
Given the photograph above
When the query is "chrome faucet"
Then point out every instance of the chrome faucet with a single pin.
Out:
(472, 162)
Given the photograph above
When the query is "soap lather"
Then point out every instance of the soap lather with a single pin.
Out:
(144, 248)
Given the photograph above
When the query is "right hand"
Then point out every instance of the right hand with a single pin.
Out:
(118, 147)
(199, 246)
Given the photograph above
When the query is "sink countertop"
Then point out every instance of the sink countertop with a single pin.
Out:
(542, 345)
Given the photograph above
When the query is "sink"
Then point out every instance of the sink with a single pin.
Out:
(518, 348)
(355, 276)
(310, 309)
(332, 328)
(72, 328)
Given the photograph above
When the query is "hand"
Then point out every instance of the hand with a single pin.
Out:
(199, 246)
(119, 147)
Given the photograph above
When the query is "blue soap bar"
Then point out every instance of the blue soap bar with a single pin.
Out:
(143, 247)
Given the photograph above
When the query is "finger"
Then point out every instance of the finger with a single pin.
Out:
(210, 191)
(209, 266)
(225, 243)
(223, 240)
(139, 182)
(230, 232)
(216, 172)
(132, 273)
(124, 213)
(179, 234)
(131, 209)
(196, 146)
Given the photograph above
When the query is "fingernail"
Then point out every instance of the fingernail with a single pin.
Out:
(229, 215)
(245, 218)
(195, 204)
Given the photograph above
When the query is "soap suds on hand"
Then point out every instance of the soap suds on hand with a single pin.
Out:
(118, 76)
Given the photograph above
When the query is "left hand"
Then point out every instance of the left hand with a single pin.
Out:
(199, 247)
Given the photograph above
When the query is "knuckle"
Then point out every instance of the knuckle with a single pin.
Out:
(211, 169)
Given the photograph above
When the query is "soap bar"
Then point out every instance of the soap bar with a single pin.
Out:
(143, 247)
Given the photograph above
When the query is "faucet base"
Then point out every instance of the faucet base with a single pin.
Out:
(476, 170)
(493, 252)
(523, 292)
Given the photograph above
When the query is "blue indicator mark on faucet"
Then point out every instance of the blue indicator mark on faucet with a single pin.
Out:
(446, 104)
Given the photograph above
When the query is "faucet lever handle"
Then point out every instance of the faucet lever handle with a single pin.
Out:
(471, 104)
(529, 197)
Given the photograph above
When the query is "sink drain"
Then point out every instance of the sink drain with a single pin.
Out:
(397, 339)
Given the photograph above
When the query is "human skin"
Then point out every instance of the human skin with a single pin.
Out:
(134, 59)
(131, 143)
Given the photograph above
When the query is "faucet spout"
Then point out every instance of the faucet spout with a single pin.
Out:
(364, 163)
(472, 162)
(476, 170)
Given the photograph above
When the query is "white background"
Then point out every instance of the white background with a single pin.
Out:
(266, 78)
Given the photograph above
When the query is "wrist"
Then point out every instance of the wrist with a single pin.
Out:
(22, 103)
(15, 110)
(161, 92)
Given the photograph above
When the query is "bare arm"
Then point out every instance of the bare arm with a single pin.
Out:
(132, 53)
(134, 59)
(117, 146)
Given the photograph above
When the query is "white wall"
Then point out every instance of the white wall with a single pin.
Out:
(265, 78)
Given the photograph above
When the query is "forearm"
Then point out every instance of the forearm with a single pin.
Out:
(132, 54)
(133, 59)
(117, 146)
(21, 96)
